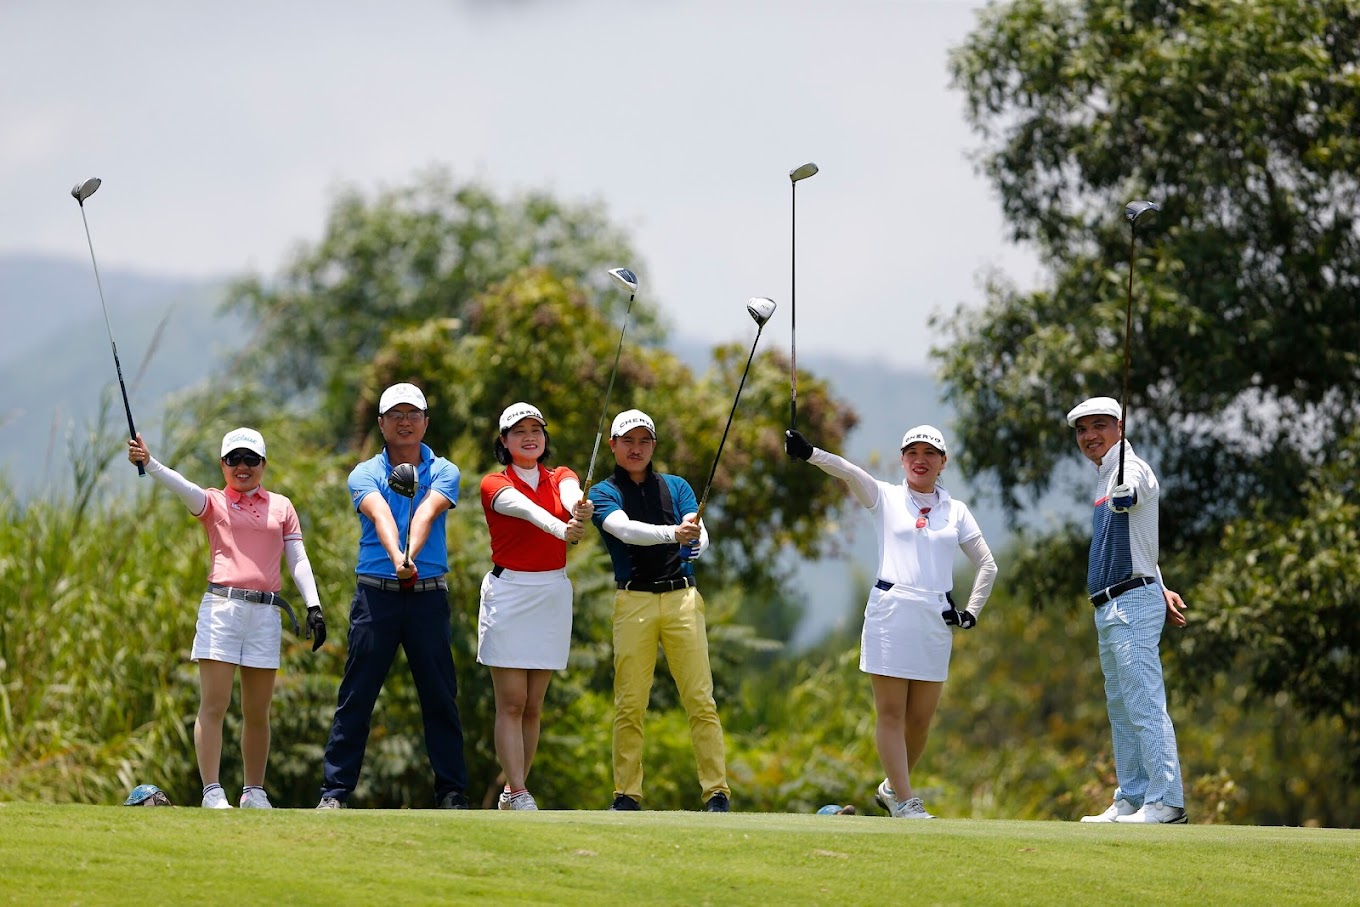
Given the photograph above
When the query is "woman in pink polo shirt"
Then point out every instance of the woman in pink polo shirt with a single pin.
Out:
(249, 531)
(524, 624)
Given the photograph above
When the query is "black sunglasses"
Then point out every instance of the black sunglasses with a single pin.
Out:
(236, 458)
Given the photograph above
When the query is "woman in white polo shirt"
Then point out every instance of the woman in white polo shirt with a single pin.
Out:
(249, 531)
(907, 637)
(524, 622)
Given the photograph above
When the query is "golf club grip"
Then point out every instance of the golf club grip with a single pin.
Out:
(127, 407)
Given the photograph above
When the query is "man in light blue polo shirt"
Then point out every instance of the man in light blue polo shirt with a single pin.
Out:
(399, 604)
(1131, 606)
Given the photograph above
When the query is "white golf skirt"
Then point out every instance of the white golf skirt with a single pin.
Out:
(525, 620)
(905, 636)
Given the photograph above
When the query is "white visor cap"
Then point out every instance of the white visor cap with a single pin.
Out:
(243, 439)
(926, 433)
(517, 411)
(1095, 406)
(630, 419)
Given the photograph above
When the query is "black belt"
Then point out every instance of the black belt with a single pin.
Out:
(887, 586)
(660, 585)
(394, 585)
(497, 569)
(256, 597)
(1119, 589)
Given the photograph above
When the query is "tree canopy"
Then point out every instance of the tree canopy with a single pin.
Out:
(1239, 118)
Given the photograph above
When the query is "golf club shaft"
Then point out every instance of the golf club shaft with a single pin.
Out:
(1128, 348)
(609, 390)
(793, 304)
(117, 365)
(406, 554)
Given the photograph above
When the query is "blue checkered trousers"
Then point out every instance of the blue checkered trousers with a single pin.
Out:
(1129, 629)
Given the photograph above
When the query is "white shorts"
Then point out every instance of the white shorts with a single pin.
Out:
(237, 632)
(905, 636)
(525, 620)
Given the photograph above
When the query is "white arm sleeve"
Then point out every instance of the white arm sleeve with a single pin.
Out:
(861, 484)
(570, 493)
(301, 569)
(193, 497)
(981, 556)
(513, 502)
(634, 532)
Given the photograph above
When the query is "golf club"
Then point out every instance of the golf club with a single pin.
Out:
(628, 280)
(760, 309)
(80, 192)
(795, 175)
(402, 480)
(1136, 213)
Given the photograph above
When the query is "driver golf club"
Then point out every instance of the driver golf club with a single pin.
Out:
(795, 175)
(402, 479)
(628, 280)
(80, 192)
(1136, 213)
(760, 309)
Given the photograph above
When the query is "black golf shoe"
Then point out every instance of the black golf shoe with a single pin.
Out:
(718, 803)
(624, 804)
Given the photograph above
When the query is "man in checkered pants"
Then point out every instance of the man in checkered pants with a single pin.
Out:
(1131, 606)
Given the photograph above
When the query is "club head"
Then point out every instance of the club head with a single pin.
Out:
(1141, 213)
(803, 172)
(625, 277)
(760, 308)
(402, 480)
(82, 191)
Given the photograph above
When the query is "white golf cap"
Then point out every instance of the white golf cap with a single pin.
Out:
(1095, 406)
(630, 419)
(243, 439)
(926, 433)
(401, 393)
(517, 411)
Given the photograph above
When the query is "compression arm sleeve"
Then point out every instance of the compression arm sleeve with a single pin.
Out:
(513, 502)
(295, 553)
(570, 492)
(981, 556)
(861, 484)
(635, 532)
(193, 497)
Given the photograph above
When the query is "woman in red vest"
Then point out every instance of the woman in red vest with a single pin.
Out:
(524, 624)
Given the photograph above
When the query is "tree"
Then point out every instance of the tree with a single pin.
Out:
(1239, 118)
(412, 254)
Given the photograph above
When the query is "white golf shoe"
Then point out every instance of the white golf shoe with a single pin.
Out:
(523, 800)
(1157, 813)
(504, 801)
(886, 797)
(1120, 807)
(215, 798)
(255, 798)
(911, 809)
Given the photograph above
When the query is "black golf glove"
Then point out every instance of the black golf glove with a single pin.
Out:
(316, 627)
(964, 620)
(796, 446)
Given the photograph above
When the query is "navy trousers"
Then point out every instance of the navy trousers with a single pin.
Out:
(379, 621)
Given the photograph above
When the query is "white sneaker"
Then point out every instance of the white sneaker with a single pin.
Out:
(504, 801)
(911, 809)
(215, 798)
(1157, 813)
(886, 797)
(255, 798)
(523, 800)
(1120, 807)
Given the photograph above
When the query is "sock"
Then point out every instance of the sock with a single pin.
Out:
(208, 787)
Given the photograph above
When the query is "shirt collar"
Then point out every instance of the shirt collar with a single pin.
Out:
(235, 496)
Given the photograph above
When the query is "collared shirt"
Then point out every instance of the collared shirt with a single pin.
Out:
(647, 502)
(246, 536)
(518, 544)
(1123, 545)
(920, 558)
(370, 477)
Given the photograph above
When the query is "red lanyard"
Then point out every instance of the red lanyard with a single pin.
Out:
(921, 521)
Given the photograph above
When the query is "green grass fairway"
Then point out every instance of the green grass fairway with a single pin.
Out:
(115, 855)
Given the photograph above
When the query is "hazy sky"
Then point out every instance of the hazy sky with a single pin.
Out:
(222, 131)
